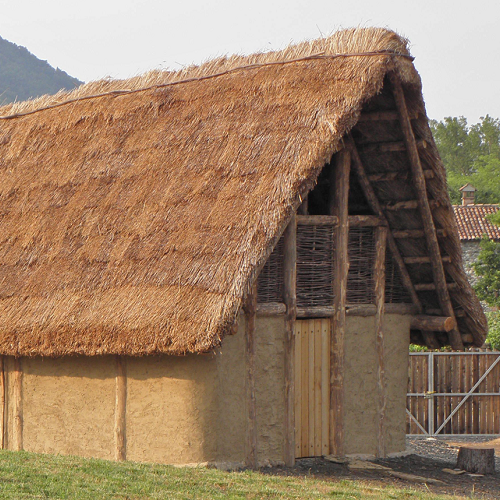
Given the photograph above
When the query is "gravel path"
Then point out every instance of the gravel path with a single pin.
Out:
(439, 449)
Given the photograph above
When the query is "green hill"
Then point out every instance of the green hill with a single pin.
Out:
(23, 75)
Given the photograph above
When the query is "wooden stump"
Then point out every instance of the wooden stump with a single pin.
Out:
(476, 460)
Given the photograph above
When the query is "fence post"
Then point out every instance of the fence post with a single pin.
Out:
(430, 390)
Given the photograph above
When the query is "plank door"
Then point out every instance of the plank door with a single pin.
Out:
(312, 387)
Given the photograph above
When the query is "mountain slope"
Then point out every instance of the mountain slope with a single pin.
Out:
(23, 75)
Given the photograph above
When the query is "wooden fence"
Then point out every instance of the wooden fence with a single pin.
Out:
(453, 393)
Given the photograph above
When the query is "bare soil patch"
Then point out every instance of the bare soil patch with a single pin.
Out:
(493, 443)
(427, 458)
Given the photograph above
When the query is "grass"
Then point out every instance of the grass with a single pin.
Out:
(32, 476)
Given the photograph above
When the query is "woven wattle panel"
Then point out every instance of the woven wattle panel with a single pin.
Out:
(271, 278)
(315, 265)
(360, 283)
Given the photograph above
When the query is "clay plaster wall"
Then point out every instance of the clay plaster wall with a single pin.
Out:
(193, 409)
(360, 378)
(68, 405)
(190, 409)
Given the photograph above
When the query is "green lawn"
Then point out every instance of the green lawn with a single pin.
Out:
(28, 475)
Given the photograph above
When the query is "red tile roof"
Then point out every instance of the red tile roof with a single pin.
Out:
(473, 224)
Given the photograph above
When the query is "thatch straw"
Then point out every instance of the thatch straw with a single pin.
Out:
(133, 224)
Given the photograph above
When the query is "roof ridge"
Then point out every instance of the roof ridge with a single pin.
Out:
(478, 205)
(117, 93)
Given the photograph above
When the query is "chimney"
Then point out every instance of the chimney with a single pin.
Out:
(468, 194)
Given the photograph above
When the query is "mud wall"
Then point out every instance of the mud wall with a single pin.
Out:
(181, 410)
(360, 378)
(193, 409)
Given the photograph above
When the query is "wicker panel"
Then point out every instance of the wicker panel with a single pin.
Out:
(270, 281)
(315, 271)
(395, 291)
(360, 283)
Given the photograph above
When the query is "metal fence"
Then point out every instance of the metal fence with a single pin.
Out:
(453, 393)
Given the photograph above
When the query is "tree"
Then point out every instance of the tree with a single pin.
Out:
(493, 330)
(487, 288)
(470, 154)
(487, 268)
(494, 218)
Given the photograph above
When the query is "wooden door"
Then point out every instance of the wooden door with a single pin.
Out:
(312, 387)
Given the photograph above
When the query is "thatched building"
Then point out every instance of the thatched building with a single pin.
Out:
(226, 264)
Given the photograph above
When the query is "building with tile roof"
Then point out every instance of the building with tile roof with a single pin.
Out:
(473, 225)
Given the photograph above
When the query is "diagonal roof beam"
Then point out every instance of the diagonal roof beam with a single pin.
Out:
(425, 210)
(372, 199)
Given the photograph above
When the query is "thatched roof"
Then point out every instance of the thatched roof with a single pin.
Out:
(133, 222)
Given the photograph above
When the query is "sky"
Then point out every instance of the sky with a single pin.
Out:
(456, 44)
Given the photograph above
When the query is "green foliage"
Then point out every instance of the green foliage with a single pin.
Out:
(470, 154)
(418, 348)
(495, 218)
(487, 268)
(493, 330)
(22, 75)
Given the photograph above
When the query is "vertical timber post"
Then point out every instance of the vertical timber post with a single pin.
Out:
(339, 207)
(18, 405)
(379, 278)
(430, 389)
(290, 297)
(120, 409)
(250, 314)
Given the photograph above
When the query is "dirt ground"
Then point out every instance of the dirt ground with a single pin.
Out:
(427, 458)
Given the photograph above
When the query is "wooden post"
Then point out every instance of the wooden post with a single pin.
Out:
(379, 278)
(339, 208)
(120, 409)
(290, 297)
(2, 404)
(429, 228)
(250, 309)
(17, 404)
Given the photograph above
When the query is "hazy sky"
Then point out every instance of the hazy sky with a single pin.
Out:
(456, 44)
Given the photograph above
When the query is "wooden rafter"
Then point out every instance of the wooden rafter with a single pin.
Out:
(381, 116)
(425, 210)
(415, 233)
(388, 147)
(408, 205)
(430, 287)
(398, 175)
(377, 209)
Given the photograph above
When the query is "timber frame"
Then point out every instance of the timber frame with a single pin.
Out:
(429, 323)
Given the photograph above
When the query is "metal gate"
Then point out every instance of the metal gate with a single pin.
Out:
(312, 387)
(453, 393)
